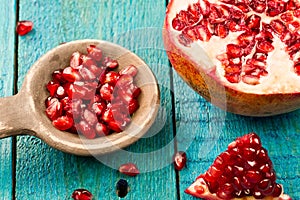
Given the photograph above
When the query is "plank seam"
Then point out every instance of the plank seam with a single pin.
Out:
(15, 91)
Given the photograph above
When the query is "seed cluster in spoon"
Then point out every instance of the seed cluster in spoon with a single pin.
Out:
(90, 97)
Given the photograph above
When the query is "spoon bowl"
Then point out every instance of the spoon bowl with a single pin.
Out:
(24, 113)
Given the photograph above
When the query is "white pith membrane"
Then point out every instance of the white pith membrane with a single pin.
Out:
(281, 77)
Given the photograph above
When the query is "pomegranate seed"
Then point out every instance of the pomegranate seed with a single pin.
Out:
(129, 169)
(287, 17)
(110, 63)
(245, 39)
(136, 91)
(129, 70)
(275, 8)
(221, 30)
(258, 6)
(264, 47)
(94, 52)
(278, 26)
(133, 106)
(202, 33)
(106, 92)
(234, 51)
(253, 21)
(82, 194)
(111, 78)
(101, 129)
(24, 27)
(87, 61)
(243, 7)
(124, 81)
(49, 101)
(90, 117)
(63, 123)
(204, 7)
(54, 110)
(52, 87)
(116, 126)
(86, 74)
(179, 159)
(71, 75)
(177, 24)
(122, 188)
(75, 61)
(86, 130)
(98, 107)
(107, 115)
(57, 76)
(233, 78)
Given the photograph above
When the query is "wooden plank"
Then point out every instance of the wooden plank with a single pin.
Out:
(45, 173)
(8, 9)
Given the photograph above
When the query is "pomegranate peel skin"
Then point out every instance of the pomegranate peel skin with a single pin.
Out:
(204, 76)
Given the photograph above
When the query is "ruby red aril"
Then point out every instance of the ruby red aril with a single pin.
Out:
(247, 51)
(82, 194)
(54, 110)
(52, 87)
(89, 97)
(63, 123)
(110, 63)
(94, 52)
(243, 171)
(179, 160)
(24, 27)
(76, 61)
(129, 169)
(129, 70)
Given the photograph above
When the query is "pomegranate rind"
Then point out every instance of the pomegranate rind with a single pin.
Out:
(211, 88)
(200, 183)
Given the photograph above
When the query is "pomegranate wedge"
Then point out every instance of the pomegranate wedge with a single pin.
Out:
(243, 172)
(243, 56)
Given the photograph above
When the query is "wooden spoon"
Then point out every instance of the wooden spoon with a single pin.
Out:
(24, 113)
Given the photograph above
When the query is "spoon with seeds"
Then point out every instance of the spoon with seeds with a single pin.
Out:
(30, 118)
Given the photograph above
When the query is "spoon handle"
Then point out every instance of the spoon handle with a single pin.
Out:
(12, 117)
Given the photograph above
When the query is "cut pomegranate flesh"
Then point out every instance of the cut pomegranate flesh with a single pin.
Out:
(249, 48)
(222, 15)
(243, 170)
(92, 98)
(24, 27)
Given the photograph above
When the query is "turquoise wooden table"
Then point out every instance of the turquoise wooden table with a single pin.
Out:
(30, 169)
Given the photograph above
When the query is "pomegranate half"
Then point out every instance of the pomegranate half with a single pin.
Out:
(241, 55)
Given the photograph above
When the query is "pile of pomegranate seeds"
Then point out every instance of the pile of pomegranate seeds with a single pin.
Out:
(24, 27)
(129, 169)
(82, 194)
(179, 160)
(90, 98)
(256, 25)
(244, 169)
